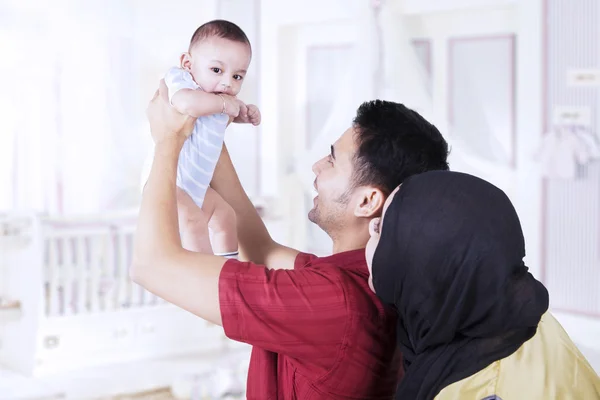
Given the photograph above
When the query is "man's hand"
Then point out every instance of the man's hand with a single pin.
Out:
(165, 121)
(252, 116)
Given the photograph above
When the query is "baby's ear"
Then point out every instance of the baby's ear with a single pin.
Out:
(185, 61)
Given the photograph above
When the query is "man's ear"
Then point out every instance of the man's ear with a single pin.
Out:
(370, 202)
(185, 61)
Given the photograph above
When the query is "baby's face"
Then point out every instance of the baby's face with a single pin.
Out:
(218, 65)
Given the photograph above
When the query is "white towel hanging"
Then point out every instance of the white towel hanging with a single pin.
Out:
(564, 149)
(591, 142)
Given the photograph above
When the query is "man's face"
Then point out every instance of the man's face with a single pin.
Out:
(332, 207)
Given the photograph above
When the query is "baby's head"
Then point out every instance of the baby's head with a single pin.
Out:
(218, 57)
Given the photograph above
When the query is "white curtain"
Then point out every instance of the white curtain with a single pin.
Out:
(8, 122)
(69, 90)
(27, 106)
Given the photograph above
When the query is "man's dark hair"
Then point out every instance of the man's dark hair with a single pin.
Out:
(222, 29)
(394, 143)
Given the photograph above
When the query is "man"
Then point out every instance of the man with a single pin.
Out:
(317, 329)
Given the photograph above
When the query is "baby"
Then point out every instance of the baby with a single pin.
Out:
(210, 75)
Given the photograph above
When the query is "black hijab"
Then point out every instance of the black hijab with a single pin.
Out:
(450, 259)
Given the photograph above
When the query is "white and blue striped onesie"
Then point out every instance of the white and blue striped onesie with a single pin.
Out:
(201, 151)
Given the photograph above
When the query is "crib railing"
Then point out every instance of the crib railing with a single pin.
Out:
(70, 280)
(86, 270)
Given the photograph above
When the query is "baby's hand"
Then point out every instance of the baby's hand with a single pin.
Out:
(251, 116)
(233, 106)
(254, 115)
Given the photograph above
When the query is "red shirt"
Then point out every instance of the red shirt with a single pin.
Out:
(318, 331)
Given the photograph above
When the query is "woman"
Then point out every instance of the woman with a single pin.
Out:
(473, 323)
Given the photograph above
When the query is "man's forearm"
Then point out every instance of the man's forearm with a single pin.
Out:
(255, 243)
(254, 239)
(157, 233)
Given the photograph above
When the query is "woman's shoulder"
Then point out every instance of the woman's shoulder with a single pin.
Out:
(549, 365)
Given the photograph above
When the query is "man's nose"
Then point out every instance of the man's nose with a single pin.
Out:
(316, 168)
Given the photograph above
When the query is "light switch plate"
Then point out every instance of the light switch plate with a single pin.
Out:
(572, 115)
(580, 77)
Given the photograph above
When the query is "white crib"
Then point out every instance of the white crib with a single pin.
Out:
(66, 300)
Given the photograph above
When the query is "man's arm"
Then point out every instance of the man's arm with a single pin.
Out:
(160, 263)
(255, 242)
(302, 313)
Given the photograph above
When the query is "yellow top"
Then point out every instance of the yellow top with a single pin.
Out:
(547, 366)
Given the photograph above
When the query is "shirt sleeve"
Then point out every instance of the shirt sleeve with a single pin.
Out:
(301, 313)
(177, 79)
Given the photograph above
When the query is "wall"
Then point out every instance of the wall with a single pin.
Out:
(429, 6)
(570, 212)
(529, 125)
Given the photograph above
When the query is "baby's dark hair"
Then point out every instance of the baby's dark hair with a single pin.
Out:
(222, 29)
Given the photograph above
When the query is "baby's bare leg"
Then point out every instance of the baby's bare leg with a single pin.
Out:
(193, 224)
(221, 222)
